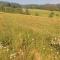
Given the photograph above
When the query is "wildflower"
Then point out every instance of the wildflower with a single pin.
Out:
(57, 53)
(44, 48)
(4, 47)
(32, 39)
(1, 46)
(7, 50)
(13, 55)
(51, 49)
(54, 43)
(55, 38)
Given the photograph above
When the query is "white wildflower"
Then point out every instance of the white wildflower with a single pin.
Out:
(13, 55)
(4, 47)
(55, 38)
(51, 49)
(43, 48)
(10, 57)
(7, 50)
(54, 43)
(32, 39)
(1, 46)
(57, 53)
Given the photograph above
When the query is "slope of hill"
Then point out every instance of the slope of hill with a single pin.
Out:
(24, 37)
(17, 8)
(43, 13)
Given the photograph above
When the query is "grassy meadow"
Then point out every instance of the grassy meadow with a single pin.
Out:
(42, 13)
(30, 37)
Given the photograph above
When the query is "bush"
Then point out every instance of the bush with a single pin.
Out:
(36, 14)
(51, 14)
(57, 14)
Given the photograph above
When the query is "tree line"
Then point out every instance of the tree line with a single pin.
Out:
(17, 8)
(13, 8)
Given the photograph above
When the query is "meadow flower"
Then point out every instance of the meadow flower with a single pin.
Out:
(1, 46)
(55, 38)
(10, 57)
(13, 55)
(54, 43)
(7, 49)
(57, 53)
(32, 39)
(51, 49)
(43, 48)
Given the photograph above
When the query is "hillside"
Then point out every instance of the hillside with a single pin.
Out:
(19, 8)
(26, 37)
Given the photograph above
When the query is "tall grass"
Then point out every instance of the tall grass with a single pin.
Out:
(22, 39)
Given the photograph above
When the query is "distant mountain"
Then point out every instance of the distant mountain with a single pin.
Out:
(31, 6)
(7, 4)
(44, 7)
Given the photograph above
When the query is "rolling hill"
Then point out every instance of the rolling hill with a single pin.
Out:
(27, 37)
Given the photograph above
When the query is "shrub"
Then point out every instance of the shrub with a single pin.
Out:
(51, 14)
(36, 14)
(57, 14)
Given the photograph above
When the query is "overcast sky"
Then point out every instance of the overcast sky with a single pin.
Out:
(34, 1)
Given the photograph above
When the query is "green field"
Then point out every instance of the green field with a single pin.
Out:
(43, 13)
(29, 37)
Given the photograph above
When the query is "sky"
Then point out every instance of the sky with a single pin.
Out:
(34, 1)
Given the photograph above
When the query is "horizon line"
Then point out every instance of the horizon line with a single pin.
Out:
(29, 3)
